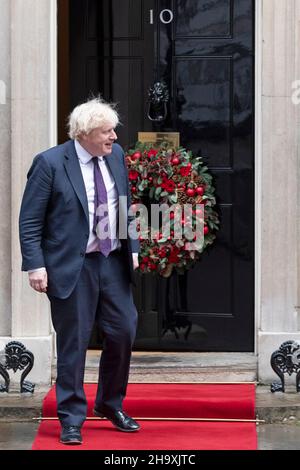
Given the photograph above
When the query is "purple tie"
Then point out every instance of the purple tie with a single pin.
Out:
(99, 200)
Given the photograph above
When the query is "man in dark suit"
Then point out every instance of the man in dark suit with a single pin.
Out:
(70, 222)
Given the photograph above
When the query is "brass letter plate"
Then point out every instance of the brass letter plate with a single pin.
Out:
(159, 137)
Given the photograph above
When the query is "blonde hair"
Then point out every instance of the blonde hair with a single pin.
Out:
(92, 114)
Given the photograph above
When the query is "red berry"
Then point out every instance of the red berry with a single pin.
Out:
(206, 230)
(200, 190)
(133, 189)
(175, 161)
(152, 153)
(190, 192)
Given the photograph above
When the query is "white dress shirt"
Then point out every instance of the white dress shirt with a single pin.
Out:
(87, 169)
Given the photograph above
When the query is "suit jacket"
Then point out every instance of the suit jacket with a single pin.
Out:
(54, 219)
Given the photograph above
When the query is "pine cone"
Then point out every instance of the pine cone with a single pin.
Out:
(167, 271)
(198, 179)
(182, 197)
(176, 178)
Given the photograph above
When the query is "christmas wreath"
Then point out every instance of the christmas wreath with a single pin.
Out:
(160, 174)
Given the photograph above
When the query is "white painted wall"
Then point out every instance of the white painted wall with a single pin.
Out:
(5, 164)
(278, 171)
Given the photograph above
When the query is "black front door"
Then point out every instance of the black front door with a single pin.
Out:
(204, 51)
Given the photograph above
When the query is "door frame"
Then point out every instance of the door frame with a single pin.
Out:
(59, 82)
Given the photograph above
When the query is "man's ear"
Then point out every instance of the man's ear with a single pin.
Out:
(82, 138)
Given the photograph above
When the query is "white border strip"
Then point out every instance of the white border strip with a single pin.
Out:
(258, 165)
(53, 75)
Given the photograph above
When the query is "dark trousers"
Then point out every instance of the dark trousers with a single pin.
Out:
(102, 295)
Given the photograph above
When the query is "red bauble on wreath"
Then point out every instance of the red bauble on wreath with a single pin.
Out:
(162, 174)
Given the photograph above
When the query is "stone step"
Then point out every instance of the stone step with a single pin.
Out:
(278, 407)
(17, 407)
(174, 367)
(271, 407)
(182, 367)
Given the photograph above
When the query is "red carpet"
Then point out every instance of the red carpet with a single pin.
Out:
(165, 401)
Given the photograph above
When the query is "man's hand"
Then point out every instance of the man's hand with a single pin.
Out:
(135, 260)
(38, 280)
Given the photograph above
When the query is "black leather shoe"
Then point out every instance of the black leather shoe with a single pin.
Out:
(71, 435)
(119, 419)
